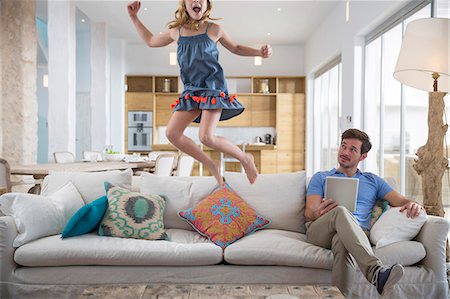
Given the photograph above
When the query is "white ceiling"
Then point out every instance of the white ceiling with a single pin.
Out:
(247, 22)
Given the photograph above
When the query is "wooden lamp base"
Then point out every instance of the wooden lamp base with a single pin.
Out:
(432, 163)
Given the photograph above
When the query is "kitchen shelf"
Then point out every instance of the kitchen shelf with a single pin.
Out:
(160, 84)
(139, 83)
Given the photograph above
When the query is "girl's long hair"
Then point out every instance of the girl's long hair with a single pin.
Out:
(182, 17)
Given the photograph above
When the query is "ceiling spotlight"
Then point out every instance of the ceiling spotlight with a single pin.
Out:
(145, 8)
(279, 9)
(172, 58)
(269, 34)
(83, 20)
(347, 10)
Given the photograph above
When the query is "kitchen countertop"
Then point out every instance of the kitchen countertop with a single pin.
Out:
(248, 147)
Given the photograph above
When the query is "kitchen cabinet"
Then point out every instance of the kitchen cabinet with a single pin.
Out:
(139, 97)
(272, 101)
(264, 155)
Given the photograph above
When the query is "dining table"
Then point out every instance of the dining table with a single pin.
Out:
(40, 171)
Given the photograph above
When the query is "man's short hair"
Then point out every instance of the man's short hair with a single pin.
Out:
(360, 135)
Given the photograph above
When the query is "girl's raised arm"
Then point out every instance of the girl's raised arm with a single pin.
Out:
(265, 51)
(151, 40)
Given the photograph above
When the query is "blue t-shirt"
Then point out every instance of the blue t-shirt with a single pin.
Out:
(371, 188)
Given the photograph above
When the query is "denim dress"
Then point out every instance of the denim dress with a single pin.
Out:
(203, 78)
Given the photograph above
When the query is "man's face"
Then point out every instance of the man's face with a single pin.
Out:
(349, 154)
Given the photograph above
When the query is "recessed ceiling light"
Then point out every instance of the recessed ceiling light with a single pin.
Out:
(83, 20)
(269, 34)
(279, 9)
(145, 8)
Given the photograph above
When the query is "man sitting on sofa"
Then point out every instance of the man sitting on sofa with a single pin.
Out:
(333, 227)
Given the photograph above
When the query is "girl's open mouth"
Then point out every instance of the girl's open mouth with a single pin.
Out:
(196, 8)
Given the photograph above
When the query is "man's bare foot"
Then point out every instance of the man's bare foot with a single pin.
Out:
(214, 169)
(250, 169)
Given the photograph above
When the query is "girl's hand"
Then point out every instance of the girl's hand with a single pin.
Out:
(133, 8)
(266, 51)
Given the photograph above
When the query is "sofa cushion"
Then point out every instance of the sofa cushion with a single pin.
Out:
(277, 247)
(223, 217)
(283, 248)
(38, 216)
(406, 253)
(279, 197)
(394, 226)
(179, 193)
(90, 184)
(185, 248)
(381, 206)
(86, 219)
(132, 215)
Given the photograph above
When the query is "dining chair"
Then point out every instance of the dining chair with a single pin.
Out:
(64, 157)
(164, 164)
(92, 156)
(153, 155)
(228, 159)
(185, 164)
(6, 184)
(5, 177)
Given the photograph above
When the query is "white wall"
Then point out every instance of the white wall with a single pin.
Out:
(83, 101)
(285, 61)
(42, 96)
(117, 60)
(100, 86)
(83, 61)
(336, 36)
(62, 77)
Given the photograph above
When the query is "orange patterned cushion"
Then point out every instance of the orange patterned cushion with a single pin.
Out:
(223, 217)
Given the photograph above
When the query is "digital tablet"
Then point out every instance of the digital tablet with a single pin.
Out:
(343, 190)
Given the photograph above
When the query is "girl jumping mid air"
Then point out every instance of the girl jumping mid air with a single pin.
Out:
(205, 98)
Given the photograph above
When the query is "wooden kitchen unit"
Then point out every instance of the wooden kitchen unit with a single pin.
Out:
(272, 101)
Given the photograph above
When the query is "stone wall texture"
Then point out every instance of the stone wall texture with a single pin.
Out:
(18, 102)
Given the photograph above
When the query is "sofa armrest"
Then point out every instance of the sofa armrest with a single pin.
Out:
(8, 233)
(433, 236)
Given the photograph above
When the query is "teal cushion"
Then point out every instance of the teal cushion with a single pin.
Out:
(87, 218)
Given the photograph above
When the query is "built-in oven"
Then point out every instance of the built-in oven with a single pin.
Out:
(140, 131)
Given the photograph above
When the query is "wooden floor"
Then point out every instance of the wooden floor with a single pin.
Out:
(197, 291)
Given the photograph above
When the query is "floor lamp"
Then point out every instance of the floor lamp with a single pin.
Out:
(423, 62)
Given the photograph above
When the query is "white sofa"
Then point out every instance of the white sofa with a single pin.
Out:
(276, 254)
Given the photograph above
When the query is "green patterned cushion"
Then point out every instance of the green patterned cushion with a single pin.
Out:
(132, 215)
(380, 207)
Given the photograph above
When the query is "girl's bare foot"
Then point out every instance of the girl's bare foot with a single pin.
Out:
(214, 169)
(250, 169)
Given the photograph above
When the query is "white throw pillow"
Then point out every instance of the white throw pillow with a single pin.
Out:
(38, 216)
(394, 226)
(90, 184)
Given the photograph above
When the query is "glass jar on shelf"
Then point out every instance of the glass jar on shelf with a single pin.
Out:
(166, 85)
(264, 86)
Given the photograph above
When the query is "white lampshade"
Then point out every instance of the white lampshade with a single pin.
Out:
(425, 50)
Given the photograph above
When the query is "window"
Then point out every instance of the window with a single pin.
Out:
(327, 105)
(395, 116)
